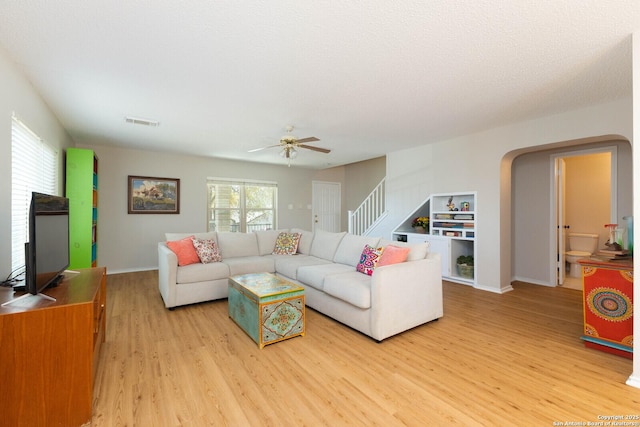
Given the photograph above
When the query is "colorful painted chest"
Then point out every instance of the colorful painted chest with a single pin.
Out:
(269, 309)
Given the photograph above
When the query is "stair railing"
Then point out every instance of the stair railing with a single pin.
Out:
(370, 211)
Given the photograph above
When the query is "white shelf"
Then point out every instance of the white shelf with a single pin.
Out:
(451, 233)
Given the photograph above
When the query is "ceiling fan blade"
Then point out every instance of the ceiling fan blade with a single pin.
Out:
(263, 148)
(308, 147)
(310, 139)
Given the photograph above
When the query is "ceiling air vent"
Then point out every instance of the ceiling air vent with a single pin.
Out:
(141, 121)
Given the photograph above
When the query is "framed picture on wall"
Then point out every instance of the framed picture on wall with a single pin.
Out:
(149, 195)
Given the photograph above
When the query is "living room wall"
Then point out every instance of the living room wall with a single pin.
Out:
(482, 162)
(19, 97)
(128, 242)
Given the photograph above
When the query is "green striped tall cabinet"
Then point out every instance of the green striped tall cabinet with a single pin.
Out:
(82, 192)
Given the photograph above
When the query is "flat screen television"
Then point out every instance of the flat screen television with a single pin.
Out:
(47, 251)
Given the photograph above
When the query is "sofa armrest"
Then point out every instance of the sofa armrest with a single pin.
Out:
(167, 273)
(406, 295)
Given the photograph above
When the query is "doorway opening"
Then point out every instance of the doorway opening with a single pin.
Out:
(583, 200)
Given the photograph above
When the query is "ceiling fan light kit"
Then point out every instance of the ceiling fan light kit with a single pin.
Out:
(289, 144)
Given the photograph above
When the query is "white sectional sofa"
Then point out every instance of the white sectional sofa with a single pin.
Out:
(393, 299)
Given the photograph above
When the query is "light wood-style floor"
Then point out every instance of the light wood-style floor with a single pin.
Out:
(510, 360)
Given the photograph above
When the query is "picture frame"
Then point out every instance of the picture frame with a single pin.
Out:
(151, 195)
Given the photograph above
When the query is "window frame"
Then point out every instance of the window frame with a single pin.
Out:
(242, 209)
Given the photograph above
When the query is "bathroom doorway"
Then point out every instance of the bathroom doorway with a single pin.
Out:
(584, 199)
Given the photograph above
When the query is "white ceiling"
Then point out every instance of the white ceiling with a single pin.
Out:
(366, 77)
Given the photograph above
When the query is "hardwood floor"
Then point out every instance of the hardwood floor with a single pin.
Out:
(513, 359)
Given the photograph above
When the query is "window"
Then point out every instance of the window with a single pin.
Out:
(241, 206)
(33, 168)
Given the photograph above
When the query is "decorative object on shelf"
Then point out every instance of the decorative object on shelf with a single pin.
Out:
(451, 205)
(464, 206)
(420, 224)
(464, 264)
(153, 195)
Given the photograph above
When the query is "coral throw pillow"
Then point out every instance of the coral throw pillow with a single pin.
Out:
(286, 244)
(369, 259)
(185, 251)
(207, 250)
(393, 255)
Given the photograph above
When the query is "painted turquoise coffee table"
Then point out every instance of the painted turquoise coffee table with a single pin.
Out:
(269, 309)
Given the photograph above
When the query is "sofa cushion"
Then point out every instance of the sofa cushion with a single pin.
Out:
(209, 235)
(286, 244)
(288, 265)
(325, 244)
(250, 264)
(306, 238)
(369, 259)
(350, 248)
(417, 250)
(207, 250)
(354, 288)
(234, 245)
(202, 272)
(393, 255)
(184, 250)
(313, 275)
(267, 240)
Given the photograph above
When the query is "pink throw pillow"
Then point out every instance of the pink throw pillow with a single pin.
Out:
(393, 255)
(184, 250)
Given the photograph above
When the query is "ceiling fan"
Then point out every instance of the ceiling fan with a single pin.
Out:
(289, 144)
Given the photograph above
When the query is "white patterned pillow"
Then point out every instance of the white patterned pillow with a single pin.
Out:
(207, 250)
(286, 244)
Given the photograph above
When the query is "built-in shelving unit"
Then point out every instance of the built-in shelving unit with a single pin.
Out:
(82, 191)
(452, 231)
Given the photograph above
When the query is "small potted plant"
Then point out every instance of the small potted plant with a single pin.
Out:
(464, 263)
(420, 224)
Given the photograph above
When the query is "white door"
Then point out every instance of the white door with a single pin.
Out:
(561, 225)
(326, 206)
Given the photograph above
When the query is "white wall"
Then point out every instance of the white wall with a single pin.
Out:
(482, 162)
(634, 379)
(20, 97)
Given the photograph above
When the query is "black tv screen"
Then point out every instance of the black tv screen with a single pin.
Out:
(47, 252)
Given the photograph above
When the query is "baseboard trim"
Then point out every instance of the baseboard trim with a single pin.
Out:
(634, 381)
(532, 281)
(130, 270)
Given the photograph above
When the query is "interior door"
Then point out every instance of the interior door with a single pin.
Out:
(326, 206)
(561, 225)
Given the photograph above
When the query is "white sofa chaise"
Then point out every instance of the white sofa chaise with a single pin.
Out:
(393, 299)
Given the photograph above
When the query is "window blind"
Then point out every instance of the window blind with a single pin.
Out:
(33, 168)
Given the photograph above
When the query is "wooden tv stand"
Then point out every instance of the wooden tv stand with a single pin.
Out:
(49, 351)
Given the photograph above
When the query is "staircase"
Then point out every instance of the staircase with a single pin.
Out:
(370, 212)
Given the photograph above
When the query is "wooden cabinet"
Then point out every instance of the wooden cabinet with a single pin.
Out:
(82, 191)
(608, 305)
(452, 233)
(49, 351)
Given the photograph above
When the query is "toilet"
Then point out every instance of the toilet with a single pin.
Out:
(581, 245)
